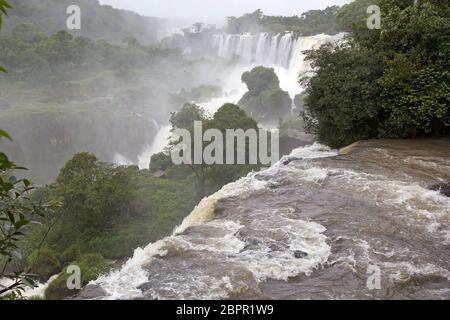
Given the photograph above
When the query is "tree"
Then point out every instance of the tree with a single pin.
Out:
(416, 82)
(184, 119)
(94, 195)
(249, 22)
(342, 97)
(160, 162)
(388, 83)
(265, 100)
(353, 14)
(229, 116)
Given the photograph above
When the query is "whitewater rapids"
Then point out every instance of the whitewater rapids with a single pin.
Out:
(309, 228)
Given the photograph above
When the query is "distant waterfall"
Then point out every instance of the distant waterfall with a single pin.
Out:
(159, 143)
(283, 51)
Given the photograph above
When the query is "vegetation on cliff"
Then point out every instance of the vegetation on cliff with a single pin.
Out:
(265, 100)
(330, 20)
(387, 83)
(98, 21)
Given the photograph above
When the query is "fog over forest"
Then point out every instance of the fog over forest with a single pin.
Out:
(224, 150)
(215, 11)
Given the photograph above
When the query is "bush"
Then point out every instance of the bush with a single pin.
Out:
(342, 102)
(260, 79)
(45, 263)
(389, 83)
(91, 267)
(265, 100)
(160, 161)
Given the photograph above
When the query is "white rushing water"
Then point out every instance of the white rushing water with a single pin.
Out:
(283, 52)
(159, 143)
(223, 242)
(297, 229)
(29, 292)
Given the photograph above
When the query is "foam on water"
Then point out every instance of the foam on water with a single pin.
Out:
(261, 243)
(29, 292)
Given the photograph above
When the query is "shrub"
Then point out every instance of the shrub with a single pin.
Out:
(44, 262)
(91, 267)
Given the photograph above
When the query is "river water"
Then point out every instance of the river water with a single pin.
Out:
(310, 227)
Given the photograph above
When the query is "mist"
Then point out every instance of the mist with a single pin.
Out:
(215, 11)
(100, 105)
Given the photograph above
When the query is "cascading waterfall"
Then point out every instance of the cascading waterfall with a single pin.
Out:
(158, 145)
(284, 52)
(310, 226)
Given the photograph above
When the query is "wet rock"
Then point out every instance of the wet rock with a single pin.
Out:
(91, 292)
(443, 188)
(290, 159)
(300, 254)
(278, 246)
(253, 241)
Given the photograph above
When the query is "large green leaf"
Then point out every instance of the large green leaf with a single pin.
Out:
(4, 134)
(3, 6)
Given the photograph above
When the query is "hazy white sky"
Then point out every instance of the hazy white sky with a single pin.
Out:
(214, 10)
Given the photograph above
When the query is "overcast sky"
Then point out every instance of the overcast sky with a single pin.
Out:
(215, 10)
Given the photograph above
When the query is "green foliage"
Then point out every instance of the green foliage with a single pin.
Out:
(36, 57)
(260, 79)
(44, 263)
(230, 116)
(98, 21)
(17, 211)
(342, 99)
(210, 178)
(354, 14)
(416, 82)
(392, 82)
(91, 267)
(136, 209)
(94, 196)
(249, 22)
(4, 5)
(265, 100)
(184, 119)
(160, 162)
(310, 22)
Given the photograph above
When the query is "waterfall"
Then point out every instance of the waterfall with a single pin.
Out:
(261, 47)
(273, 49)
(283, 52)
(158, 145)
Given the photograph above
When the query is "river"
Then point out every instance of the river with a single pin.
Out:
(310, 227)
